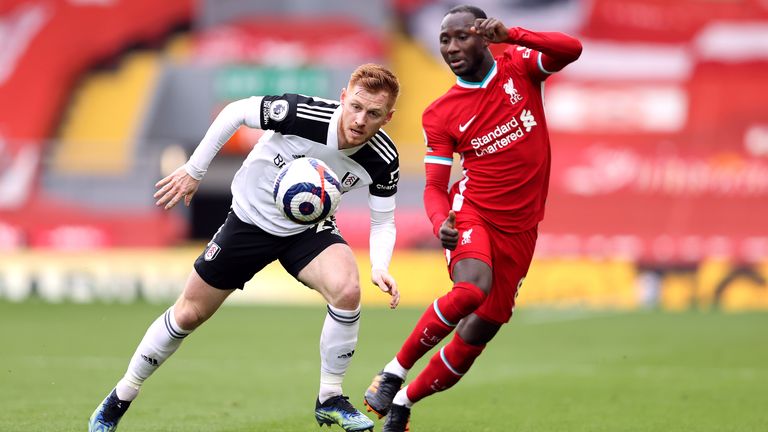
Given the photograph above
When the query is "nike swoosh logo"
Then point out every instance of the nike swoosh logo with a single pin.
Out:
(425, 343)
(463, 127)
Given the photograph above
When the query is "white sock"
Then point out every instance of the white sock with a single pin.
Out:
(126, 390)
(337, 345)
(394, 367)
(401, 398)
(161, 340)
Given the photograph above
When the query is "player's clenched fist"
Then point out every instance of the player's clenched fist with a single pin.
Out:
(449, 235)
(176, 186)
(491, 30)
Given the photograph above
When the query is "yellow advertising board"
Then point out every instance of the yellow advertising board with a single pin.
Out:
(155, 275)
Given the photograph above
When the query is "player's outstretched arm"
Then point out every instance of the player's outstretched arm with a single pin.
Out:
(183, 183)
(175, 187)
(558, 49)
(238, 113)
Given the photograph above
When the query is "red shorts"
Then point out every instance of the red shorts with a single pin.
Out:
(508, 254)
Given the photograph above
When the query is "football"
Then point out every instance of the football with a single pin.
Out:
(307, 191)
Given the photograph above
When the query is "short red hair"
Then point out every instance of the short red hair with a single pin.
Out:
(376, 78)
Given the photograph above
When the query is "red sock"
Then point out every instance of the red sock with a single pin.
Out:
(439, 320)
(444, 369)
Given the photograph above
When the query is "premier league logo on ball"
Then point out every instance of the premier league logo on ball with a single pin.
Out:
(307, 191)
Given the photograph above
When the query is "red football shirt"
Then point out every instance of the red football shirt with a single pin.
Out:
(498, 128)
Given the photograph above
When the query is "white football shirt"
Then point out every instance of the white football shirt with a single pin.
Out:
(296, 126)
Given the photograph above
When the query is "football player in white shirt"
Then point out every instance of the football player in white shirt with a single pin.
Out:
(347, 136)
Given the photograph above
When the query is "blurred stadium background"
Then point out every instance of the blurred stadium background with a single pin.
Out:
(660, 140)
(658, 197)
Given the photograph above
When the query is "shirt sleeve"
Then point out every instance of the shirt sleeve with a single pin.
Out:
(385, 184)
(436, 201)
(226, 123)
(439, 144)
(437, 165)
(383, 232)
(528, 58)
(543, 53)
(278, 113)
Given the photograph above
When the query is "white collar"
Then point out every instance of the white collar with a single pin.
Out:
(333, 129)
(482, 84)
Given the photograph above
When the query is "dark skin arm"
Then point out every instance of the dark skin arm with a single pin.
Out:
(448, 234)
(558, 49)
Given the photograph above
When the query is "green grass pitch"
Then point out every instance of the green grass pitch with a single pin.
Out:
(256, 369)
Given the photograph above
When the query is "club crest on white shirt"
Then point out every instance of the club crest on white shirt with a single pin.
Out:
(349, 180)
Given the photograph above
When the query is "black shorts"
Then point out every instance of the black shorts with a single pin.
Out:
(239, 250)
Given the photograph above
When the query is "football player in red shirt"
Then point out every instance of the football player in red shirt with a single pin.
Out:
(493, 117)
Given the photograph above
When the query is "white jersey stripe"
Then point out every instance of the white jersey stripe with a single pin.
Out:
(387, 141)
(389, 147)
(327, 120)
(316, 113)
(376, 149)
(328, 101)
(381, 150)
(318, 108)
(383, 145)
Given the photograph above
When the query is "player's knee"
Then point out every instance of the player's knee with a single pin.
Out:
(463, 299)
(188, 315)
(469, 297)
(480, 281)
(345, 294)
(474, 272)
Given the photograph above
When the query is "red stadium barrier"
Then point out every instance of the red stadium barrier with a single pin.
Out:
(664, 20)
(45, 47)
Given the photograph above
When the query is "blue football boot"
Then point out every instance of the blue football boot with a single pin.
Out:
(108, 414)
(338, 410)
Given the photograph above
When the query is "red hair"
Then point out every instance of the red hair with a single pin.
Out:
(376, 78)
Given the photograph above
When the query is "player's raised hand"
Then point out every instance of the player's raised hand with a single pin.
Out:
(386, 283)
(173, 188)
(449, 235)
(491, 30)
